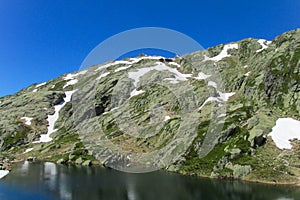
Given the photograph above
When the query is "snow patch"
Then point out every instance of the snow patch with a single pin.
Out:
(136, 92)
(129, 62)
(102, 75)
(72, 76)
(28, 150)
(202, 76)
(38, 85)
(175, 64)
(247, 74)
(111, 64)
(171, 80)
(209, 99)
(285, 130)
(53, 118)
(264, 44)
(167, 118)
(115, 108)
(213, 84)
(70, 82)
(41, 84)
(223, 53)
(136, 75)
(225, 96)
(222, 115)
(3, 173)
(27, 120)
(221, 98)
(122, 68)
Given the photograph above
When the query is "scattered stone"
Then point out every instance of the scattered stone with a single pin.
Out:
(78, 161)
(234, 153)
(239, 171)
(61, 161)
(71, 156)
(32, 159)
(87, 163)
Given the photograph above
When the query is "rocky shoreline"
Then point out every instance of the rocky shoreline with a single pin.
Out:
(7, 164)
(255, 85)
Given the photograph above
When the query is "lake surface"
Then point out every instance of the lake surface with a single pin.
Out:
(50, 181)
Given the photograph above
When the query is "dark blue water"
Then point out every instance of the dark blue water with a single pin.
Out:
(49, 181)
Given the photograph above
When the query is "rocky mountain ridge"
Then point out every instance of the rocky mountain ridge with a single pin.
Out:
(208, 113)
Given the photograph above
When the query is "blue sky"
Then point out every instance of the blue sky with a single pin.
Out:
(42, 39)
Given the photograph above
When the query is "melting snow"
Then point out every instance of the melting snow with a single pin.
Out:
(225, 96)
(136, 92)
(167, 118)
(213, 84)
(247, 74)
(72, 76)
(27, 120)
(138, 73)
(202, 76)
(28, 150)
(41, 84)
(38, 85)
(3, 173)
(130, 62)
(222, 96)
(52, 118)
(175, 64)
(264, 44)
(209, 99)
(223, 53)
(171, 80)
(102, 75)
(71, 82)
(222, 115)
(285, 129)
(159, 67)
(111, 64)
(122, 68)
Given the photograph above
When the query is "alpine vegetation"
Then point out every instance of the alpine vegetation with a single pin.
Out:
(231, 111)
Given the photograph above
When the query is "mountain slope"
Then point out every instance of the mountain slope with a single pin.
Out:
(209, 113)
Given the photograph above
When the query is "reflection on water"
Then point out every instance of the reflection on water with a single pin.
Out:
(24, 167)
(51, 181)
(50, 175)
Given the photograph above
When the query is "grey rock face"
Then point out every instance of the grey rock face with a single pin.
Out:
(203, 113)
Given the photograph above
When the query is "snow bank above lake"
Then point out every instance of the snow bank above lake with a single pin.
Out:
(285, 130)
(3, 173)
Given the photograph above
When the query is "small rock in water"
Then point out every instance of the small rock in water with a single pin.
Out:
(87, 163)
(78, 161)
(31, 159)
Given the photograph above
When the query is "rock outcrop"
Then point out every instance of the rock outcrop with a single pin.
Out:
(208, 113)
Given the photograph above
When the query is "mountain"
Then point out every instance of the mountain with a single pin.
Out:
(231, 111)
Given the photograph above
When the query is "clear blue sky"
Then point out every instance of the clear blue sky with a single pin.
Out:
(42, 39)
